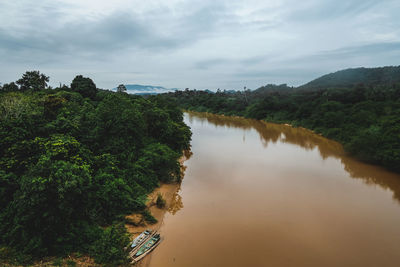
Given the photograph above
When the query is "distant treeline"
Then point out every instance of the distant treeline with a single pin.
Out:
(74, 160)
(364, 118)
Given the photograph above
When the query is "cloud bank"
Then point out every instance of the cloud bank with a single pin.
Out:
(196, 44)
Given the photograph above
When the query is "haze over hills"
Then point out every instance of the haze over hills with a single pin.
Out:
(139, 89)
(340, 79)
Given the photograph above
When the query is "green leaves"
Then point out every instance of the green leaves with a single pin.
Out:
(71, 162)
(362, 118)
(84, 86)
(160, 160)
(109, 247)
(33, 80)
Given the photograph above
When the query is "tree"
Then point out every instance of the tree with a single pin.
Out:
(50, 200)
(109, 249)
(9, 87)
(13, 105)
(160, 202)
(33, 80)
(121, 88)
(162, 161)
(85, 86)
(70, 166)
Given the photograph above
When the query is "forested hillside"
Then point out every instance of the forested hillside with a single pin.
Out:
(75, 160)
(351, 77)
(365, 119)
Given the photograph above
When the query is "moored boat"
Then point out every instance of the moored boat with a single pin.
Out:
(148, 246)
(140, 238)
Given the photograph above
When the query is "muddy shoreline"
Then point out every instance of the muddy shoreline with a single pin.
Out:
(170, 193)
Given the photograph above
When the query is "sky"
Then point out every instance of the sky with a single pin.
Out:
(205, 44)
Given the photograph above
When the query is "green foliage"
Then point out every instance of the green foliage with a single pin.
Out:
(33, 80)
(160, 202)
(160, 160)
(108, 249)
(350, 77)
(121, 88)
(365, 119)
(9, 87)
(74, 162)
(57, 262)
(14, 106)
(85, 86)
(148, 217)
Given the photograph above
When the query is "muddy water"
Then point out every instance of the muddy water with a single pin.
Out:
(258, 194)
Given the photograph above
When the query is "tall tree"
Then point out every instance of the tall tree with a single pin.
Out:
(33, 80)
(121, 88)
(9, 87)
(85, 86)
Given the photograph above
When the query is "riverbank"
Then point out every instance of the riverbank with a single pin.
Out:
(364, 120)
(373, 144)
(169, 192)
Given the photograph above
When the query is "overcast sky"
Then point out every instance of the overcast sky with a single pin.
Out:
(197, 44)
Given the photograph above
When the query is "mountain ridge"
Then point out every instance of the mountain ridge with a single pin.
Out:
(350, 77)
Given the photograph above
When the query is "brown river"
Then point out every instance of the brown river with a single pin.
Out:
(261, 194)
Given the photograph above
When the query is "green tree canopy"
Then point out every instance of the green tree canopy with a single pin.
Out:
(33, 80)
(85, 86)
(9, 87)
(121, 88)
(74, 162)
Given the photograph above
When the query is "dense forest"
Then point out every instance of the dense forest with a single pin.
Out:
(365, 118)
(350, 77)
(74, 160)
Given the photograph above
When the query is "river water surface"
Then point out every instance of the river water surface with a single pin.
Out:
(259, 194)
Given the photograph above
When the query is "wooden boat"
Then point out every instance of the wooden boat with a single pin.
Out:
(147, 247)
(140, 238)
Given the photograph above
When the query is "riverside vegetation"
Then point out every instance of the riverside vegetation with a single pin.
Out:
(358, 107)
(74, 161)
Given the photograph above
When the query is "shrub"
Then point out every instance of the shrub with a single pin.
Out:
(57, 262)
(148, 217)
(71, 263)
(109, 248)
(160, 202)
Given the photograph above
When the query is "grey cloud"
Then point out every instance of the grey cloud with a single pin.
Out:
(388, 52)
(299, 70)
(369, 49)
(207, 64)
(313, 66)
(254, 60)
(285, 42)
(290, 76)
(84, 38)
(331, 9)
(118, 31)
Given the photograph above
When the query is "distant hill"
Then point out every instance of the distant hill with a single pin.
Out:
(272, 88)
(351, 77)
(147, 89)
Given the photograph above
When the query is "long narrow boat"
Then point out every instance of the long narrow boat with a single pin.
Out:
(140, 238)
(147, 247)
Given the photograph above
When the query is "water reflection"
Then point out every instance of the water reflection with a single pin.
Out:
(292, 204)
(176, 203)
(273, 133)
